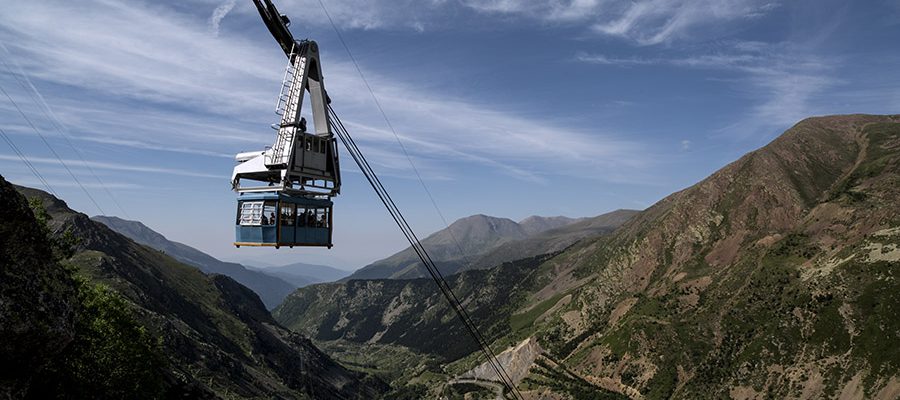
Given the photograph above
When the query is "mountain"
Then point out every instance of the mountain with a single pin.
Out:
(474, 234)
(215, 336)
(536, 224)
(271, 289)
(775, 277)
(302, 274)
(485, 242)
(552, 239)
(38, 298)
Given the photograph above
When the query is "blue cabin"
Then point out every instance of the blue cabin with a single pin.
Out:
(277, 219)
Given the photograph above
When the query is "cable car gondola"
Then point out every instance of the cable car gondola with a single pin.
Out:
(276, 219)
(285, 190)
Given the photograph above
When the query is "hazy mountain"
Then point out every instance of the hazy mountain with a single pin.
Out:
(270, 288)
(302, 274)
(217, 338)
(775, 277)
(552, 239)
(485, 241)
(537, 224)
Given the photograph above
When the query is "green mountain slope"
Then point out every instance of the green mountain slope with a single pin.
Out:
(217, 337)
(270, 289)
(775, 277)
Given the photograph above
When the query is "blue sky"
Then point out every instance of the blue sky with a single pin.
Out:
(508, 108)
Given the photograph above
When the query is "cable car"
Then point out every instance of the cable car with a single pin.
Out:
(277, 219)
(285, 190)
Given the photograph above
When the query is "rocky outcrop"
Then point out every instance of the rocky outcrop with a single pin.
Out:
(516, 362)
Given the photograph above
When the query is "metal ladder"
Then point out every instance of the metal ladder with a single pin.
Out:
(288, 107)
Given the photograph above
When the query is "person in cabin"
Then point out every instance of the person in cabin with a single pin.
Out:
(272, 219)
(265, 221)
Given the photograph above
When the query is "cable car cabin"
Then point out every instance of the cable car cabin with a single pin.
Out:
(277, 219)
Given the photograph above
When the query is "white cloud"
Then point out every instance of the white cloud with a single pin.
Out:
(781, 79)
(146, 76)
(645, 22)
(218, 14)
(100, 165)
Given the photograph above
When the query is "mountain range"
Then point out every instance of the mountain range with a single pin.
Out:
(775, 277)
(482, 241)
(271, 284)
(303, 274)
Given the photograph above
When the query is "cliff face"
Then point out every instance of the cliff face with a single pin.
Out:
(776, 276)
(216, 335)
(37, 297)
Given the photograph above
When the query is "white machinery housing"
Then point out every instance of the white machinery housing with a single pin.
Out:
(299, 162)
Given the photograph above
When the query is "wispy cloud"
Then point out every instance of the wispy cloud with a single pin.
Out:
(645, 22)
(150, 77)
(100, 165)
(782, 80)
(218, 14)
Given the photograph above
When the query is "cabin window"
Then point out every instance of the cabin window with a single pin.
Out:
(287, 214)
(269, 208)
(321, 218)
(250, 213)
(312, 217)
(301, 216)
(308, 142)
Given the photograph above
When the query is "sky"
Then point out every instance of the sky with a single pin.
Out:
(507, 108)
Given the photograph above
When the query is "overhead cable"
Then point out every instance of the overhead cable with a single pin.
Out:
(38, 99)
(55, 154)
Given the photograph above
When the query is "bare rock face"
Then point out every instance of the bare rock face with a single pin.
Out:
(37, 297)
(516, 361)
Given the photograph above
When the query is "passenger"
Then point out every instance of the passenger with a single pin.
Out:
(264, 221)
(312, 219)
(272, 219)
(323, 223)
